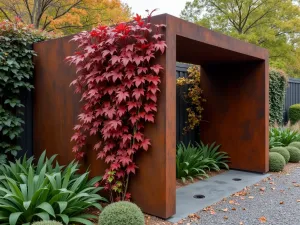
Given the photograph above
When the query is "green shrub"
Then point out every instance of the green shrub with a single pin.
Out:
(276, 162)
(282, 135)
(193, 161)
(274, 143)
(121, 213)
(294, 153)
(277, 86)
(282, 151)
(31, 192)
(47, 223)
(16, 73)
(294, 113)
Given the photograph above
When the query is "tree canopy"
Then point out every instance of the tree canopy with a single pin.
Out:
(272, 24)
(68, 16)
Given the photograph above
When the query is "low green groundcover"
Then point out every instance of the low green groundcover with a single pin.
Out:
(276, 162)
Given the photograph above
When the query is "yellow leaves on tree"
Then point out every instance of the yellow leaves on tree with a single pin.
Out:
(193, 96)
(67, 16)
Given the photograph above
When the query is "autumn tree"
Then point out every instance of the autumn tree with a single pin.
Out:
(69, 16)
(272, 24)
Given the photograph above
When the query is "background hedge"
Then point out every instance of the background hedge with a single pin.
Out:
(277, 88)
(294, 113)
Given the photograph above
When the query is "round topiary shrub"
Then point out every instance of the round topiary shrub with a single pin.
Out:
(295, 144)
(294, 153)
(276, 162)
(294, 113)
(282, 151)
(47, 223)
(122, 213)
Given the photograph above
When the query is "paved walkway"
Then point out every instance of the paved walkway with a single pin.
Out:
(274, 200)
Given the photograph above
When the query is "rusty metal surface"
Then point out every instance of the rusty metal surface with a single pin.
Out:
(229, 67)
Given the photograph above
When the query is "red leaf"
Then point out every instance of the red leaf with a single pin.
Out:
(120, 174)
(156, 68)
(138, 60)
(115, 59)
(101, 155)
(149, 117)
(157, 36)
(105, 53)
(160, 45)
(142, 70)
(116, 76)
(115, 166)
(114, 123)
(151, 96)
(125, 160)
(129, 48)
(150, 107)
(138, 80)
(132, 105)
(110, 158)
(137, 93)
(121, 111)
(153, 79)
(131, 168)
(121, 96)
(109, 112)
(138, 136)
(126, 137)
(130, 151)
(145, 144)
(98, 145)
(153, 88)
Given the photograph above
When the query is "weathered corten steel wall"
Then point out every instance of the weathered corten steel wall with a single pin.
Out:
(235, 84)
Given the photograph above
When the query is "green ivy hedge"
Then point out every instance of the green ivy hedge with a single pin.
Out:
(294, 113)
(16, 72)
(277, 88)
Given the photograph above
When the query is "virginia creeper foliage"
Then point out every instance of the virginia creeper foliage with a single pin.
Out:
(118, 81)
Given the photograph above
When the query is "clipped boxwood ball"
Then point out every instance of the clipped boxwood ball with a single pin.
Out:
(295, 144)
(282, 151)
(294, 153)
(47, 223)
(122, 213)
(276, 162)
(294, 113)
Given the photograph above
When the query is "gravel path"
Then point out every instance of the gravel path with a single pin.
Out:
(275, 200)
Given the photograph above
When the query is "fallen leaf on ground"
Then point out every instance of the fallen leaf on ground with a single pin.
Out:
(241, 223)
(298, 200)
(262, 189)
(233, 209)
(273, 188)
(244, 208)
(297, 185)
(281, 203)
(262, 219)
(225, 210)
(251, 197)
(256, 184)
(225, 217)
(231, 202)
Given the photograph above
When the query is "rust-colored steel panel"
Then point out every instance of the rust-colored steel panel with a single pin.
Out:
(235, 83)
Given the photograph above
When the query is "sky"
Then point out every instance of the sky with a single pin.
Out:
(172, 7)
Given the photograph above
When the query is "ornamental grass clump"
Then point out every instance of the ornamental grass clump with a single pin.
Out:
(294, 153)
(122, 213)
(34, 192)
(282, 151)
(276, 162)
(192, 161)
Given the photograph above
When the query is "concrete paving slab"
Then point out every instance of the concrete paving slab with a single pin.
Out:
(214, 189)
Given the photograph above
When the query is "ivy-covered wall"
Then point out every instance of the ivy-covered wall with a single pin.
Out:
(277, 89)
(16, 72)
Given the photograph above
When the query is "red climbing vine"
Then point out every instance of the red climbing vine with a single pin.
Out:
(118, 82)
